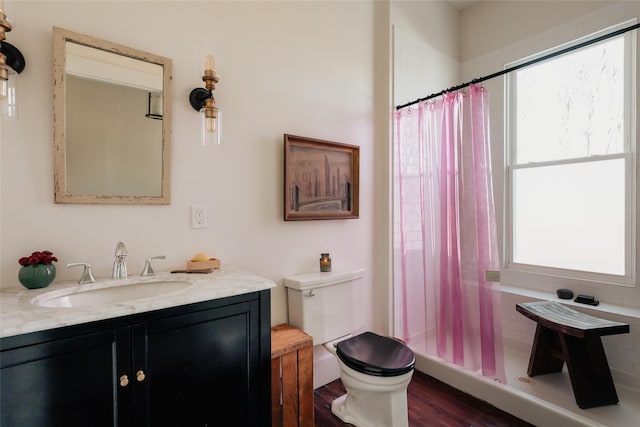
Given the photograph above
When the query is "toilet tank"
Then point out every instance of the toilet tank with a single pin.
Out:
(322, 304)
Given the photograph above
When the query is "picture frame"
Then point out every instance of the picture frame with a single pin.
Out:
(321, 179)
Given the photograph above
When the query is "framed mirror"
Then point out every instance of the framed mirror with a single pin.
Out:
(112, 116)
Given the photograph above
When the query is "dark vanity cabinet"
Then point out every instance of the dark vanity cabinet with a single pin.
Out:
(59, 382)
(204, 364)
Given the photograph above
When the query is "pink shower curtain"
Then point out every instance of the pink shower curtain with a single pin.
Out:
(445, 233)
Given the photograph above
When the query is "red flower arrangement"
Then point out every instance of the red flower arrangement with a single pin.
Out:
(44, 257)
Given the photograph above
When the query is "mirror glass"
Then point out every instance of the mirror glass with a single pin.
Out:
(111, 122)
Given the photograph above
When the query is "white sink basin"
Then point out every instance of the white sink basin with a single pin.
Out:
(88, 295)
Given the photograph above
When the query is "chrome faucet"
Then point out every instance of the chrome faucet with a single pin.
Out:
(120, 265)
(87, 274)
(148, 270)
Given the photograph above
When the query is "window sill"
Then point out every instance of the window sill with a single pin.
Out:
(619, 310)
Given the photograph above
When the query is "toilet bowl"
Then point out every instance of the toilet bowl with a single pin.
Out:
(376, 372)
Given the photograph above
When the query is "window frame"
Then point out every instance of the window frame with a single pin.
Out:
(518, 272)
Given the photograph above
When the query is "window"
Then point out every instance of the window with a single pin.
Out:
(570, 166)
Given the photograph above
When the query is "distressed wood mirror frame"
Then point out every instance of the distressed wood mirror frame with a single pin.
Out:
(62, 191)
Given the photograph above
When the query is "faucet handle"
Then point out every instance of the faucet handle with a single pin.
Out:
(87, 274)
(148, 270)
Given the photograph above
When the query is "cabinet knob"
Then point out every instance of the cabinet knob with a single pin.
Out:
(140, 375)
(124, 381)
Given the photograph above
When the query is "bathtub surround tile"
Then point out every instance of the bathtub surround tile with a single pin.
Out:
(625, 359)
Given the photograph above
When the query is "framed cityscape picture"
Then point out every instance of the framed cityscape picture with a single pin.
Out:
(321, 179)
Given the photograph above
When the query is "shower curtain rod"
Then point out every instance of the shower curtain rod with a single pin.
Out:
(524, 64)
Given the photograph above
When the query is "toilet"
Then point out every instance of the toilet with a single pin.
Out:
(375, 370)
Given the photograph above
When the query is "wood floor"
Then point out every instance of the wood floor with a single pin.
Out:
(431, 404)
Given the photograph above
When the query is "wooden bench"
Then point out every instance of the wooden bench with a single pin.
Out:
(566, 335)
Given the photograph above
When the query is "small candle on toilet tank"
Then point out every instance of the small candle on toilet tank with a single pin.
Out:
(325, 263)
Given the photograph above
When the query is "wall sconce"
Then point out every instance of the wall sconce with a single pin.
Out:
(202, 100)
(11, 64)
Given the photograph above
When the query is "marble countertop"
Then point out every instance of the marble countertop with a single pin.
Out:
(18, 315)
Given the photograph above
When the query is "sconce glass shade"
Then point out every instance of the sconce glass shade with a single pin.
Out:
(154, 106)
(4, 89)
(202, 100)
(211, 121)
(8, 95)
(13, 63)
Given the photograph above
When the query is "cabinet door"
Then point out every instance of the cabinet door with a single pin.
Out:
(201, 369)
(67, 382)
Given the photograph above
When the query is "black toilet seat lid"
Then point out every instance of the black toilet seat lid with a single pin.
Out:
(376, 355)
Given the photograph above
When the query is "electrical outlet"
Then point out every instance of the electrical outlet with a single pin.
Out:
(198, 216)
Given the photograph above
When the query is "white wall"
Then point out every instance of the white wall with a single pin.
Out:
(305, 68)
(425, 48)
(487, 26)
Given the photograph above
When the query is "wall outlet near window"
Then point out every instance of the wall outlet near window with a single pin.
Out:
(198, 216)
(492, 276)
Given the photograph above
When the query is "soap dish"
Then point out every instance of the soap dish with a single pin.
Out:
(202, 265)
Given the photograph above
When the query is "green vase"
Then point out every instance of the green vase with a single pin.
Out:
(37, 276)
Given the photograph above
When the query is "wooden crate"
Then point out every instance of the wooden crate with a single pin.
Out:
(292, 377)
